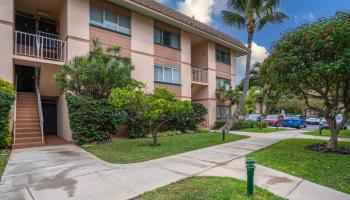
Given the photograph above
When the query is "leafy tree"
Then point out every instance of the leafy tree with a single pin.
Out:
(96, 73)
(150, 110)
(252, 15)
(7, 98)
(314, 63)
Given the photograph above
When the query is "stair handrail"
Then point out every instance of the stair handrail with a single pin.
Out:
(14, 111)
(39, 107)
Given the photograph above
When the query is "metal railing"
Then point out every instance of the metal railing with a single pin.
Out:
(43, 46)
(14, 112)
(199, 75)
(39, 108)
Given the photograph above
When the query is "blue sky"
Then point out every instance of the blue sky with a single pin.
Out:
(299, 12)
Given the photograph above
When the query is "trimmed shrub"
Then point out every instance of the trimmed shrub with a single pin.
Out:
(242, 124)
(7, 98)
(189, 120)
(91, 120)
(219, 124)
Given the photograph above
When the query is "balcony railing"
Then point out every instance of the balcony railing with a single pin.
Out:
(199, 75)
(42, 46)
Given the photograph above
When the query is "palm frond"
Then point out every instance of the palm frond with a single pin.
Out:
(237, 5)
(276, 17)
(272, 4)
(234, 18)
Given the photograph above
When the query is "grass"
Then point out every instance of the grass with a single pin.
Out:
(196, 188)
(291, 156)
(138, 150)
(327, 132)
(263, 130)
(4, 156)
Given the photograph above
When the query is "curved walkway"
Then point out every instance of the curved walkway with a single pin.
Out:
(68, 172)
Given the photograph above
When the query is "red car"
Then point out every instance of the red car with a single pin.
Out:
(274, 120)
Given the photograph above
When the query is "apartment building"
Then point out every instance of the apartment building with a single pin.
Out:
(168, 50)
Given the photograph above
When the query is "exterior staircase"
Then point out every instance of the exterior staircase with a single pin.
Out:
(27, 127)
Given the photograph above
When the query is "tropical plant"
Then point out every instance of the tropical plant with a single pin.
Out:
(314, 63)
(97, 73)
(225, 98)
(252, 15)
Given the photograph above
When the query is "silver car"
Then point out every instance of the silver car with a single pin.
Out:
(312, 119)
(338, 118)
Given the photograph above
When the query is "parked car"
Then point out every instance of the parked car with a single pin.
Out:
(274, 120)
(253, 117)
(312, 119)
(294, 121)
(338, 118)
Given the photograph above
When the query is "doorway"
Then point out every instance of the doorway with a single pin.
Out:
(49, 107)
(25, 78)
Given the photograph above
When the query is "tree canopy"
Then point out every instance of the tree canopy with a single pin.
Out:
(314, 63)
(96, 73)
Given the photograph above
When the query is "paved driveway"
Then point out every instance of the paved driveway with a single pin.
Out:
(68, 172)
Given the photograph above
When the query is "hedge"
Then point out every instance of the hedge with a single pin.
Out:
(7, 98)
(91, 120)
(241, 124)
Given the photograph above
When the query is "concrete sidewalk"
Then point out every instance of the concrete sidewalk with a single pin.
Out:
(68, 172)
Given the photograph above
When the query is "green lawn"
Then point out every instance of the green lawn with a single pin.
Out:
(138, 150)
(207, 188)
(4, 156)
(326, 132)
(291, 156)
(263, 130)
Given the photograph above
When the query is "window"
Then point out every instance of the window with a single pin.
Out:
(167, 75)
(109, 20)
(222, 82)
(166, 38)
(223, 57)
(222, 112)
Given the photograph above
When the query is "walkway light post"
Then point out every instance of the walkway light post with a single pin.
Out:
(250, 165)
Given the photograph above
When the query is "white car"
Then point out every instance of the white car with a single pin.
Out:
(253, 117)
(312, 119)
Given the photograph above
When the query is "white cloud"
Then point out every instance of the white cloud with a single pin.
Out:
(162, 1)
(259, 53)
(201, 10)
(305, 18)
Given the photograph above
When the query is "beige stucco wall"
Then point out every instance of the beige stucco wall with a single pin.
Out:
(63, 128)
(6, 33)
(233, 69)
(78, 15)
(48, 86)
(6, 10)
(186, 73)
(142, 49)
(199, 55)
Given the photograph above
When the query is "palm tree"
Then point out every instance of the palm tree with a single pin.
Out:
(251, 15)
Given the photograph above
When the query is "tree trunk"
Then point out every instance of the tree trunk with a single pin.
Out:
(155, 137)
(333, 141)
(233, 118)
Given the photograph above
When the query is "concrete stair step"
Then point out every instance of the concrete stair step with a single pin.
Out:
(27, 125)
(27, 145)
(31, 120)
(28, 139)
(27, 130)
(27, 106)
(27, 113)
(26, 135)
(19, 117)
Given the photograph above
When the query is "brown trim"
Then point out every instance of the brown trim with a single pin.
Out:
(77, 38)
(142, 53)
(6, 23)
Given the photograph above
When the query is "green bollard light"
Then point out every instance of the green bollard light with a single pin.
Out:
(250, 165)
(223, 134)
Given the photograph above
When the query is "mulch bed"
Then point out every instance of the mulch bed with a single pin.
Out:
(323, 148)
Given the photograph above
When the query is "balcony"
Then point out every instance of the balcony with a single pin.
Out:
(199, 76)
(42, 46)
